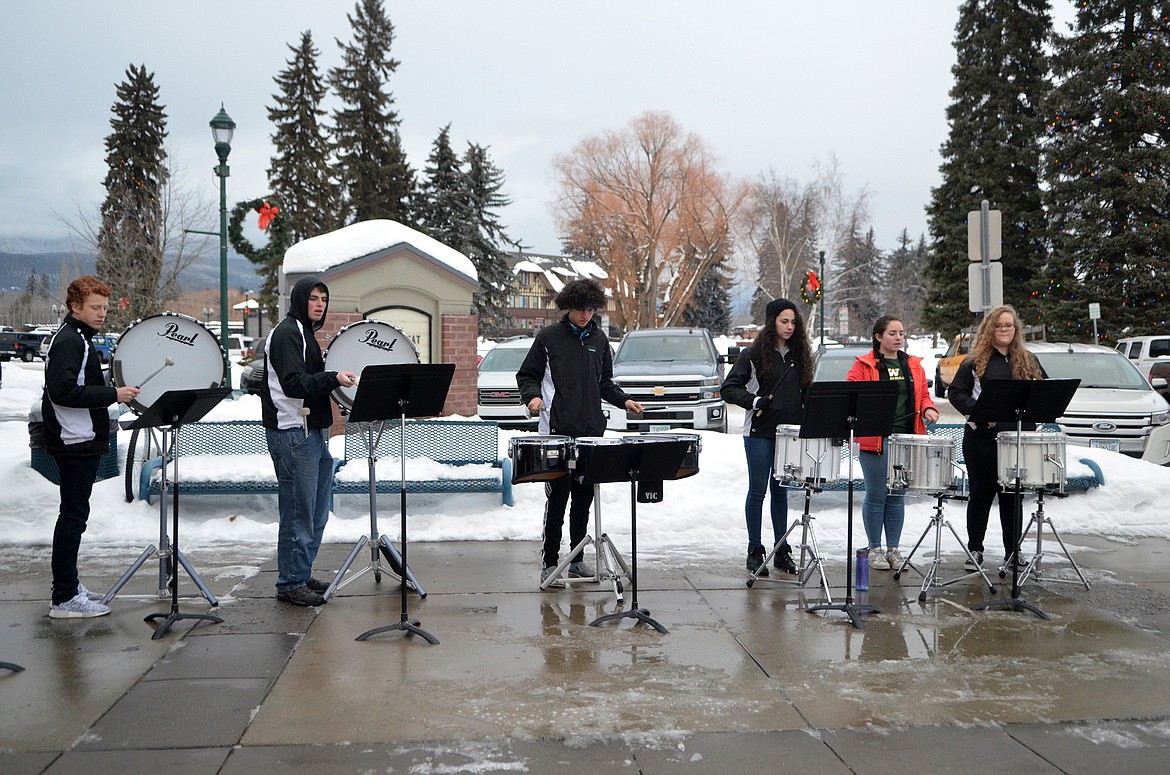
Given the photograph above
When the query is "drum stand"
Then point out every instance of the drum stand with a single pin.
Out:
(168, 553)
(380, 545)
(937, 523)
(604, 552)
(169, 412)
(1033, 567)
(810, 555)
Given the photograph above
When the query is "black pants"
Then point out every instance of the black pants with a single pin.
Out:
(980, 453)
(78, 473)
(558, 493)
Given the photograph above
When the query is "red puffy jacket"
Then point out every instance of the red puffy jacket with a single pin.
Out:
(865, 369)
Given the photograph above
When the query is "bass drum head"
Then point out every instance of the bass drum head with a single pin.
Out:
(197, 360)
(366, 343)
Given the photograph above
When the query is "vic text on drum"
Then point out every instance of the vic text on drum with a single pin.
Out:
(769, 380)
(295, 378)
(564, 377)
(997, 353)
(884, 507)
(77, 434)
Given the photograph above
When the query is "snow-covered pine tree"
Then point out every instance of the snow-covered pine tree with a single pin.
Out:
(376, 179)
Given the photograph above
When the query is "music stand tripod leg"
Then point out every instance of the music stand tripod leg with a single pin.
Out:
(635, 612)
(1015, 602)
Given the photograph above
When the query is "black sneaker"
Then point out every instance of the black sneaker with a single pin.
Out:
(783, 559)
(300, 596)
(755, 560)
(316, 584)
(974, 566)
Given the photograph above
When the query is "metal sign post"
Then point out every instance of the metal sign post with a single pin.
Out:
(985, 245)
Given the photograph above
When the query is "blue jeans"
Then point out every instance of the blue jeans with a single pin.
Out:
(760, 459)
(304, 475)
(882, 507)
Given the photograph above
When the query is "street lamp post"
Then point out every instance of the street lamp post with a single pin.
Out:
(56, 318)
(222, 129)
(822, 279)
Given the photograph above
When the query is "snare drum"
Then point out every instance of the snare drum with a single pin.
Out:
(539, 458)
(690, 461)
(583, 450)
(362, 344)
(919, 462)
(1042, 459)
(804, 460)
(197, 360)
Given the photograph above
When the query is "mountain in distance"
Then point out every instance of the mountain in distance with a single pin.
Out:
(19, 258)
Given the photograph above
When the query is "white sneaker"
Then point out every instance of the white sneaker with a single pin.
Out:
(81, 590)
(877, 560)
(80, 607)
(895, 559)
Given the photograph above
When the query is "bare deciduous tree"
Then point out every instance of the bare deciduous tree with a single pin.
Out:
(649, 205)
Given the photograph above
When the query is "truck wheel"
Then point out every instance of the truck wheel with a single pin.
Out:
(27, 356)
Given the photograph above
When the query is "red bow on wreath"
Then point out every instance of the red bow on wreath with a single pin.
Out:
(267, 215)
(813, 283)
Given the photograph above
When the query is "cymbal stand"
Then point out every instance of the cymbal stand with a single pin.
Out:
(1039, 519)
(937, 523)
(810, 555)
(604, 552)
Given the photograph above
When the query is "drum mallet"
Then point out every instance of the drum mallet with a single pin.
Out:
(168, 362)
(304, 413)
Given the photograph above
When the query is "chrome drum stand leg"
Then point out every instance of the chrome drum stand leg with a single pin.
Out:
(1034, 567)
(931, 577)
(810, 555)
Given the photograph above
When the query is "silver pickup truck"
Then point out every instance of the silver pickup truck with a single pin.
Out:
(675, 373)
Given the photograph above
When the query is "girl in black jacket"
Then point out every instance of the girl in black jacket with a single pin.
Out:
(769, 380)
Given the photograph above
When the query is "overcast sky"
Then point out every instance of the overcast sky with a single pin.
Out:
(768, 84)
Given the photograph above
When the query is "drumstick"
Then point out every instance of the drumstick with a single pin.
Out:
(304, 413)
(168, 362)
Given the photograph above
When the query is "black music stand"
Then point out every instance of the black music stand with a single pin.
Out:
(835, 410)
(405, 390)
(628, 462)
(1019, 401)
(172, 410)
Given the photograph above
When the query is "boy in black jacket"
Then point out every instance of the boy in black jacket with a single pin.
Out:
(295, 377)
(564, 377)
(77, 434)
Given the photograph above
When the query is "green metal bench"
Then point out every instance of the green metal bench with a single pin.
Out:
(446, 442)
(242, 439)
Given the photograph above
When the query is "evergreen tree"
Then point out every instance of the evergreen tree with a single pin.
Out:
(859, 281)
(992, 153)
(904, 282)
(130, 237)
(371, 166)
(1108, 166)
(710, 306)
(444, 209)
(490, 241)
(299, 174)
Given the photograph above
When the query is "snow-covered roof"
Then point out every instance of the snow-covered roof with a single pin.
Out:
(526, 266)
(325, 251)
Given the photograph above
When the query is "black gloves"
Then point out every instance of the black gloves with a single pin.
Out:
(762, 404)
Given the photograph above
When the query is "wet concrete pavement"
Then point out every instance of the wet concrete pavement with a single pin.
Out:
(744, 679)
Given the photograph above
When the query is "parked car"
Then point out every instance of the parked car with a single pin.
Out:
(252, 377)
(959, 348)
(675, 374)
(834, 363)
(105, 344)
(499, 397)
(1145, 351)
(22, 345)
(1115, 407)
(1161, 371)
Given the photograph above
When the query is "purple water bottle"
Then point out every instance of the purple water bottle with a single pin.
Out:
(862, 569)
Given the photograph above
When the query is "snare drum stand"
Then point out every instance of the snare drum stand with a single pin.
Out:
(1039, 519)
(810, 555)
(937, 523)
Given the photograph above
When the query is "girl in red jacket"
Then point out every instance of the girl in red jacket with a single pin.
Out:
(884, 508)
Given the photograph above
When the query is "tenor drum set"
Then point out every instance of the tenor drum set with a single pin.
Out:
(545, 458)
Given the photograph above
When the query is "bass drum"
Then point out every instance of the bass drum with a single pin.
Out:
(366, 343)
(145, 348)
